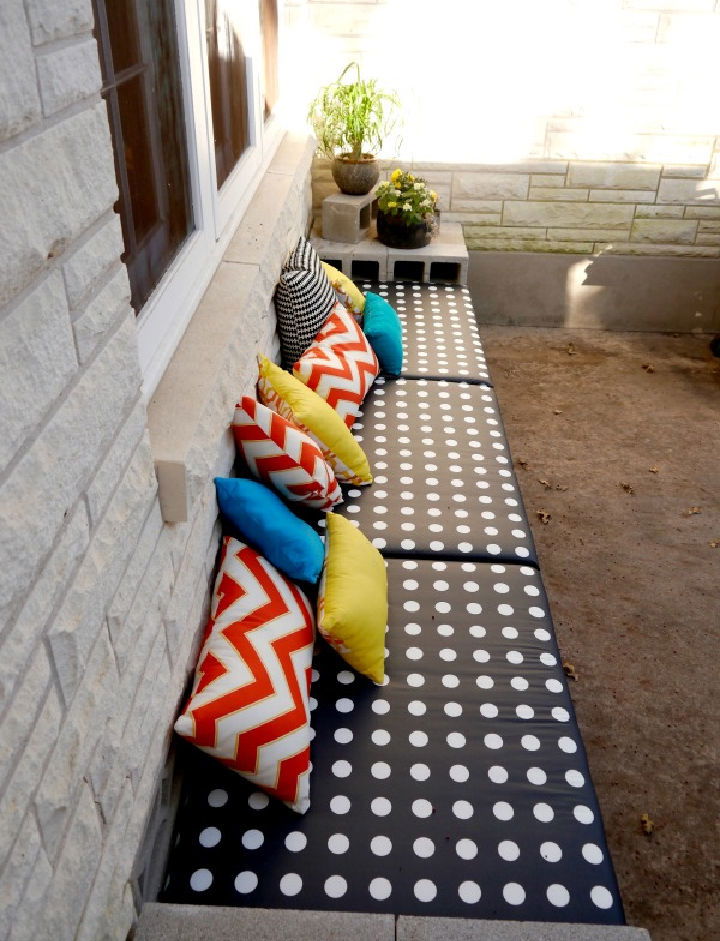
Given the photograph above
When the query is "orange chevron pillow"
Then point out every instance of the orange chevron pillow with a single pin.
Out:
(282, 456)
(249, 705)
(340, 365)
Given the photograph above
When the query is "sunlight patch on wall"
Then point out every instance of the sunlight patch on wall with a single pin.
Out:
(501, 82)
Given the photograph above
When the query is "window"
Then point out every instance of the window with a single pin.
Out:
(187, 85)
(141, 84)
(269, 27)
(229, 80)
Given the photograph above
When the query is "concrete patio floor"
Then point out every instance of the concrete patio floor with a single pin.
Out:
(616, 436)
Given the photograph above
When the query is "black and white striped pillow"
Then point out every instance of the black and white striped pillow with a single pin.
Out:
(304, 298)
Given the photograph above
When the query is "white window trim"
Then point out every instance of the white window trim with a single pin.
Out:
(166, 314)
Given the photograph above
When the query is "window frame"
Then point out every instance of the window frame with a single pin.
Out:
(163, 319)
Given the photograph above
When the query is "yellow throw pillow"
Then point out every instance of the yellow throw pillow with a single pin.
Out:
(352, 601)
(300, 405)
(349, 293)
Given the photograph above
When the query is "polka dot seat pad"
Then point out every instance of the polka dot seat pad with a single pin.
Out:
(440, 333)
(460, 787)
(443, 478)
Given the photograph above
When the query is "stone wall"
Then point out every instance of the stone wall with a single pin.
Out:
(578, 127)
(101, 601)
(571, 206)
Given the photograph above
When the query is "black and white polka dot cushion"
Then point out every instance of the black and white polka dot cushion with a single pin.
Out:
(459, 788)
(443, 478)
(440, 333)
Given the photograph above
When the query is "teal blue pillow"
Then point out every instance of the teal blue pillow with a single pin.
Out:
(383, 329)
(259, 517)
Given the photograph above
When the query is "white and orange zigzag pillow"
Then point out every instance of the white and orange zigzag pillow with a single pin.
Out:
(284, 457)
(249, 703)
(340, 365)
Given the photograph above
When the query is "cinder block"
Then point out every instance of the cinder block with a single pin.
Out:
(412, 928)
(447, 248)
(205, 922)
(342, 255)
(348, 218)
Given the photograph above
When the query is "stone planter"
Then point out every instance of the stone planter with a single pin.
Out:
(355, 177)
(396, 233)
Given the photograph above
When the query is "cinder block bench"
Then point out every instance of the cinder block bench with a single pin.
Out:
(460, 788)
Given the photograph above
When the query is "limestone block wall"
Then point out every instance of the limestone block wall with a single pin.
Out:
(555, 127)
(571, 206)
(101, 602)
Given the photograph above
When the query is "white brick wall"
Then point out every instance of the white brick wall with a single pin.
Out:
(577, 122)
(101, 603)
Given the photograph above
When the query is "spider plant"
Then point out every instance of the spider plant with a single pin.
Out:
(352, 116)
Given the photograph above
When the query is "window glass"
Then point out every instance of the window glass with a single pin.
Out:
(269, 26)
(142, 87)
(227, 66)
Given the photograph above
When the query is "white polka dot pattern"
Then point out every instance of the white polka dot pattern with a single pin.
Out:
(453, 492)
(440, 332)
(446, 798)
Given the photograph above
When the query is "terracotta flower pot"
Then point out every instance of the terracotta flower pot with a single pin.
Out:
(355, 177)
(394, 232)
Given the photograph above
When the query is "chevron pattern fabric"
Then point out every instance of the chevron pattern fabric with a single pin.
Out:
(249, 703)
(282, 456)
(303, 299)
(340, 365)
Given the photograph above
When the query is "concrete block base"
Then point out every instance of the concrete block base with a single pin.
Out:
(210, 923)
(603, 292)
(466, 929)
(444, 260)
(213, 923)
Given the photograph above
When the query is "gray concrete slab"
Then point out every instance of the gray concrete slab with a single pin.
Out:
(606, 292)
(210, 923)
(466, 929)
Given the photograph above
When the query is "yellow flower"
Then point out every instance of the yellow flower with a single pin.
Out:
(395, 174)
(433, 194)
(411, 178)
(392, 204)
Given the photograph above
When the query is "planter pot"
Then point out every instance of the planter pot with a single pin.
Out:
(396, 233)
(355, 177)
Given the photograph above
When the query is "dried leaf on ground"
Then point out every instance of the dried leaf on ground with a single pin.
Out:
(571, 351)
(560, 487)
(543, 517)
(557, 411)
(715, 544)
(693, 511)
(647, 824)
(521, 463)
(648, 367)
(654, 469)
(546, 484)
(627, 488)
(569, 670)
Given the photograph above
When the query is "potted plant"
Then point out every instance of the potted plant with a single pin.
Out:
(351, 117)
(406, 211)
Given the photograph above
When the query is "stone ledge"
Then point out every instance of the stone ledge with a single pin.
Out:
(465, 929)
(189, 413)
(214, 923)
(160, 922)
